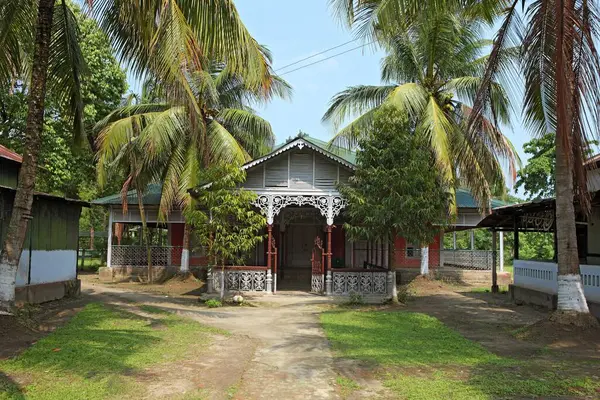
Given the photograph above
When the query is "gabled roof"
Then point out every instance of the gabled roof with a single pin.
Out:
(10, 155)
(464, 199)
(151, 196)
(342, 156)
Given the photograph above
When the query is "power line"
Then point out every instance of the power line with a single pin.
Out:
(318, 54)
(327, 58)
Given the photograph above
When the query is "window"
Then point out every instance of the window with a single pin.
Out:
(412, 251)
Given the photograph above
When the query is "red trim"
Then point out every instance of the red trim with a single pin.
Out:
(246, 268)
(359, 270)
(10, 155)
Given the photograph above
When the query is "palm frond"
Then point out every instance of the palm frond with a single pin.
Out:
(355, 100)
(66, 65)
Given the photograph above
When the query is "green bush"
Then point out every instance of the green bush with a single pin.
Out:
(213, 303)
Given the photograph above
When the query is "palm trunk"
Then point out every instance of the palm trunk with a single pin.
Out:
(21, 211)
(392, 268)
(145, 235)
(571, 299)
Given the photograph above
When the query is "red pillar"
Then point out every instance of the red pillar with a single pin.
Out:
(328, 247)
(269, 236)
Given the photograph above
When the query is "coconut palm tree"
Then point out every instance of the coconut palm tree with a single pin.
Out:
(39, 42)
(561, 66)
(431, 72)
(178, 142)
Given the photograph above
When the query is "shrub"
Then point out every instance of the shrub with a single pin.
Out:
(213, 303)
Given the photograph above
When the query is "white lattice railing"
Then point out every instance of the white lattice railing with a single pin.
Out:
(360, 281)
(469, 259)
(162, 256)
(590, 276)
(243, 279)
(543, 276)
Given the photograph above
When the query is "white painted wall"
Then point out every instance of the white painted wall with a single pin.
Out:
(47, 266)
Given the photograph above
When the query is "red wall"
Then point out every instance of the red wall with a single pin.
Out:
(404, 262)
(338, 242)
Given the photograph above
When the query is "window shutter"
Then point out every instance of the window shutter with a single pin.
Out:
(325, 173)
(301, 170)
(344, 175)
(277, 172)
(254, 178)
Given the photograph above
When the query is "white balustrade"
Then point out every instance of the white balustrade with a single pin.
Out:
(543, 276)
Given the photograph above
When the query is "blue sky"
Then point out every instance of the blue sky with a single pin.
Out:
(297, 29)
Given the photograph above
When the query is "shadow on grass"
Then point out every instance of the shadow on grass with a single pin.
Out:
(9, 388)
(420, 357)
(96, 341)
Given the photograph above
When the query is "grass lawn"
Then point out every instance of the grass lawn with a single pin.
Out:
(420, 358)
(100, 354)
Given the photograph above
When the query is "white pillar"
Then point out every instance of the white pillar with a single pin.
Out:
(442, 236)
(425, 260)
(454, 240)
(110, 233)
(472, 239)
(501, 251)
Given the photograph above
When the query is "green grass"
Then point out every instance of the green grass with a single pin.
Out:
(420, 358)
(501, 289)
(347, 385)
(90, 264)
(98, 355)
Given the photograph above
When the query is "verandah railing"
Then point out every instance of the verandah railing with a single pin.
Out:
(240, 278)
(543, 276)
(162, 256)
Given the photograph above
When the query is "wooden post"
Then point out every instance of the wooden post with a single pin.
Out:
(501, 249)
(110, 231)
(516, 239)
(494, 263)
(328, 247)
(269, 253)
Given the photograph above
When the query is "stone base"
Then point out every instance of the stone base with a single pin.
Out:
(128, 273)
(454, 275)
(43, 292)
(521, 295)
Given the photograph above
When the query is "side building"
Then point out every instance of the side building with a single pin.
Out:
(48, 265)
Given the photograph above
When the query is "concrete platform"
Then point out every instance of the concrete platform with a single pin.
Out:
(41, 293)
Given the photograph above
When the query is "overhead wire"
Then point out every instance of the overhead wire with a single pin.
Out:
(327, 58)
(318, 54)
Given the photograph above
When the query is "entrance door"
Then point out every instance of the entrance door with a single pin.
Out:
(301, 242)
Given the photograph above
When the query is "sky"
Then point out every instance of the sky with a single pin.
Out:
(293, 30)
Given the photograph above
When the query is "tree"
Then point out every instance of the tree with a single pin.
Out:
(224, 219)
(178, 142)
(562, 95)
(432, 69)
(153, 36)
(537, 177)
(396, 189)
(53, 48)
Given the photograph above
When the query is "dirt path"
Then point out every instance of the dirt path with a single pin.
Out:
(289, 354)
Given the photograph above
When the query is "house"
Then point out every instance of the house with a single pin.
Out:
(48, 265)
(536, 281)
(306, 246)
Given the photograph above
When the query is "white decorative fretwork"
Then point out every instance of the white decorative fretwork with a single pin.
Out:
(317, 283)
(244, 281)
(271, 204)
(359, 282)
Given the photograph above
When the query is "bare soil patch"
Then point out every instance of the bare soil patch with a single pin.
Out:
(179, 286)
(31, 323)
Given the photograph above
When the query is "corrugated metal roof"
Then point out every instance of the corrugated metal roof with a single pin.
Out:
(151, 196)
(10, 155)
(51, 196)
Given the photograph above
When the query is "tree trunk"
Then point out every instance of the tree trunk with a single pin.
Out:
(570, 291)
(21, 211)
(185, 252)
(145, 235)
(571, 299)
(425, 260)
(392, 268)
